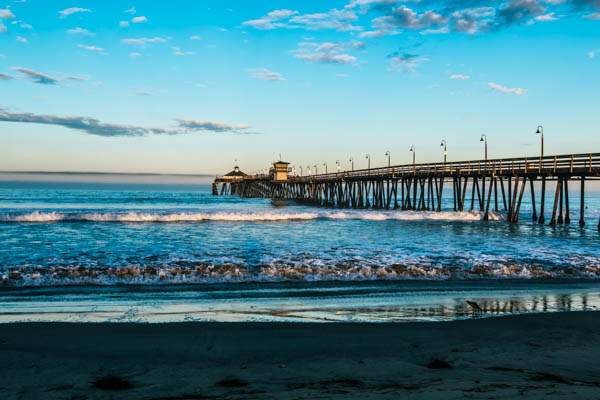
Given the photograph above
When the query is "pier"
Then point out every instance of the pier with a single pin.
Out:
(484, 185)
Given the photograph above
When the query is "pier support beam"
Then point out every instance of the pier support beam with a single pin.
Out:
(582, 203)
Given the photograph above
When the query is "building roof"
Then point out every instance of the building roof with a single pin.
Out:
(280, 162)
(236, 172)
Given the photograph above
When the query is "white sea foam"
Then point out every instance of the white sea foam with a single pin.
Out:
(133, 216)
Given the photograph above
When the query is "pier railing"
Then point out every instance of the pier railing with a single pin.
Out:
(585, 164)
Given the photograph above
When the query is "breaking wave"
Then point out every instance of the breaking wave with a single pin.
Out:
(134, 216)
(24, 276)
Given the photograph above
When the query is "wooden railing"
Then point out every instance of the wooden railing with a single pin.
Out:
(572, 164)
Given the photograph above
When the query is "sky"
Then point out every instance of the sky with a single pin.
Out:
(193, 87)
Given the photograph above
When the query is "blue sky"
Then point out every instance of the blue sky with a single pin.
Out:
(187, 87)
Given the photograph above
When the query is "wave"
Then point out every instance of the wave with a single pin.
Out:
(134, 216)
(25, 276)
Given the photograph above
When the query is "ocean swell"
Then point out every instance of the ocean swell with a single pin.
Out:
(266, 216)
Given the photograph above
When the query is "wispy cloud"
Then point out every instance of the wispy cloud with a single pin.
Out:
(68, 11)
(195, 37)
(324, 53)
(547, 17)
(45, 79)
(144, 41)
(134, 55)
(595, 15)
(5, 77)
(503, 89)
(178, 52)
(405, 62)
(5, 13)
(137, 20)
(91, 48)
(458, 76)
(265, 74)
(131, 10)
(22, 39)
(79, 31)
(270, 21)
(93, 126)
(123, 24)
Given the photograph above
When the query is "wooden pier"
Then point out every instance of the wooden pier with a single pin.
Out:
(488, 185)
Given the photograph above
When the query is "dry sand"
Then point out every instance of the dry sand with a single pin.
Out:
(528, 356)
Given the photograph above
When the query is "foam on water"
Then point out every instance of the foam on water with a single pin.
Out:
(165, 217)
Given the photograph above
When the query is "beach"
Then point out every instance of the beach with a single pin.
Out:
(540, 355)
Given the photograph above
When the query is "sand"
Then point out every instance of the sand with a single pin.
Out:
(526, 356)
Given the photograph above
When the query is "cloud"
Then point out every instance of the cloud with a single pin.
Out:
(340, 20)
(592, 16)
(79, 31)
(211, 126)
(518, 10)
(195, 37)
(5, 13)
(323, 53)
(44, 79)
(22, 39)
(504, 89)
(91, 48)
(143, 41)
(177, 51)
(458, 76)
(547, 17)
(269, 21)
(5, 77)
(405, 62)
(130, 11)
(93, 126)
(137, 20)
(593, 54)
(68, 11)
(123, 24)
(265, 74)
(134, 55)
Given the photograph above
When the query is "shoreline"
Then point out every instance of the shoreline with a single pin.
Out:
(532, 355)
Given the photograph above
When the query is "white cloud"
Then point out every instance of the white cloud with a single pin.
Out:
(45, 79)
(270, 21)
(143, 41)
(5, 14)
(547, 17)
(458, 76)
(324, 53)
(68, 11)
(91, 48)
(79, 31)
(134, 55)
(265, 74)
(595, 15)
(405, 62)
(503, 89)
(177, 51)
(130, 11)
(592, 54)
(342, 75)
(123, 24)
(137, 20)
(22, 39)
(195, 37)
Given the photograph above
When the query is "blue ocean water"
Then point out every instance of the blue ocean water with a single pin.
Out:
(142, 237)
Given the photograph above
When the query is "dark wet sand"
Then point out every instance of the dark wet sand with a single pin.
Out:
(528, 356)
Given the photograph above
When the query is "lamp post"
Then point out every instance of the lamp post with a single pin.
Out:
(301, 173)
(316, 170)
(412, 148)
(387, 153)
(540, 131)
(337, 162)
(352, 161)
(308, 166)
(484, 139)
(368, 157)
(325, 164)
(445, 150)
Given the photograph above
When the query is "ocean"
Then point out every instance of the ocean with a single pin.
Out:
(148, 252)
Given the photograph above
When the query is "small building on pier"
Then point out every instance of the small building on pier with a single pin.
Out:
(235, 174)
(280, 171)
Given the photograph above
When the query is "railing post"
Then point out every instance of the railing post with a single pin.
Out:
(555, 164)
(571, 163)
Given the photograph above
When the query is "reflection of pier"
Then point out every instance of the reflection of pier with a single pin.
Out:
(493, 184)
